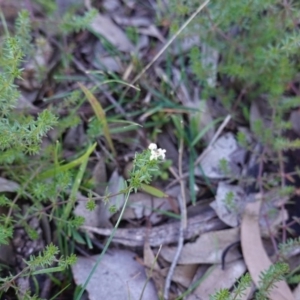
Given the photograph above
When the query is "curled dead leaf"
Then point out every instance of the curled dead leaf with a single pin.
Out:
(215, 279)
(254, 253)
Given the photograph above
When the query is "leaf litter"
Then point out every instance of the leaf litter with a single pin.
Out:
(112, 282)
(150, 222)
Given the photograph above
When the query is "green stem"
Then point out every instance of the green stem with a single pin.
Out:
(78, 297)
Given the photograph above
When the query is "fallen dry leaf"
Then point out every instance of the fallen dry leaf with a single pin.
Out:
(107, 63)
(183, 274)
(104, 26)
(118, 277)
(215, 279)
(208, 248)
(110, 5)
(149, 258)
(296, 292)
(116, 183)
(223, 149)
(134, 21)
(254, 253)
(153, 270)
(91, 218)
(229, 213)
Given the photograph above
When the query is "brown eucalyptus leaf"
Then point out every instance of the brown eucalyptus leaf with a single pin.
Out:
(254, 253)
(229, 213)
(296, 292)
(118, 277)
(153, 269)
(149, 258)
(207, 248)
(91, 217)
(216, 279)
(104, 26)
(224, 148)
(183, 274)
(115, 185)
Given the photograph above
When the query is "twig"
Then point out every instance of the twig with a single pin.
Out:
(183, 224)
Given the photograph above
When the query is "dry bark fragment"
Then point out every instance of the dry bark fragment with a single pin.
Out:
(164, 234)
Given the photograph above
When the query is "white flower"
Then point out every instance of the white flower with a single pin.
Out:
(152, 146)
(156, 153)
(161, 153)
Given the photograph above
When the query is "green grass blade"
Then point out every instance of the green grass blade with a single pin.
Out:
(77, 182)
(100, 114)
(49, 270)
(51, 172)
(204, 131)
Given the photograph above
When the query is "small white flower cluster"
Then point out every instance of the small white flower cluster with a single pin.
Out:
(156, 153)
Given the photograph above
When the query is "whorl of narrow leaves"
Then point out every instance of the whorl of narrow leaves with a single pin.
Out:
(258, 42)
(222, 294)
(288, 246)
(19, 134)
(23, 29)
(45, 259)
(269, 278)
(48, 257)
(73, 23)
(5, 234)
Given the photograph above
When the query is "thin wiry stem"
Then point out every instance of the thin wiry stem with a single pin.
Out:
(183, 224)
(99, 259)
(173, 38)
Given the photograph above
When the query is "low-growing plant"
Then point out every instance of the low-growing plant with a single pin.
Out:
(258, 43)
(269, 278)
